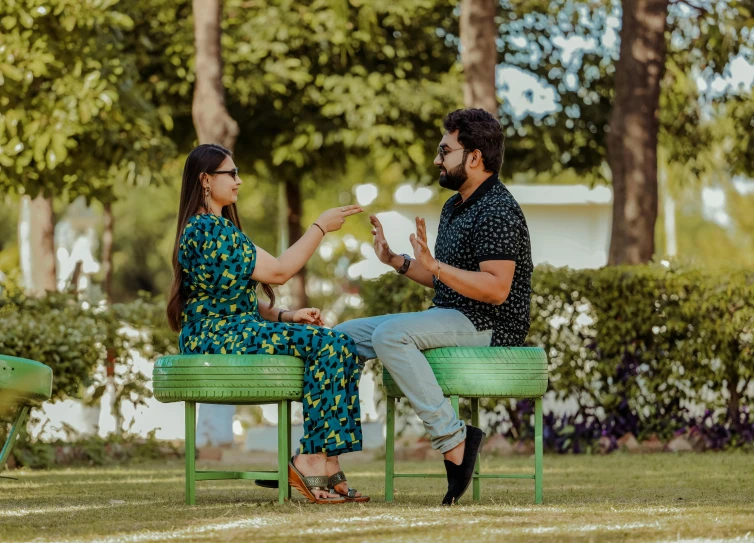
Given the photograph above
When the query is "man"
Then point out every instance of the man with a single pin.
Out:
(481, 273)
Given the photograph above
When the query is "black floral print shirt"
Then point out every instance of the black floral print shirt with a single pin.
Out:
(489, 225)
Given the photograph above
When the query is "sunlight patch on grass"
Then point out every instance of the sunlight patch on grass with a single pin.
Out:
(744, 538)
(177, 535)
(67, 509)
(591, 528)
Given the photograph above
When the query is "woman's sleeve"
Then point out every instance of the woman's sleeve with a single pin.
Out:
(219, 255)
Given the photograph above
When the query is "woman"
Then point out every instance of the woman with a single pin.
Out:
(213, 303)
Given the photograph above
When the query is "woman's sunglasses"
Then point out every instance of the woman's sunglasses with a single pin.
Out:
(233, 173)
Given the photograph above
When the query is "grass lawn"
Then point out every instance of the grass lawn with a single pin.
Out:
(621, 497)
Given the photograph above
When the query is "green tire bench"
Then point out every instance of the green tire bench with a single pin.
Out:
(234, 380)
(23, 384)
(481, 372)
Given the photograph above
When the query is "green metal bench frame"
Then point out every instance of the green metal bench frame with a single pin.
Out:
(284, 455)
(474, 373)
(23, 384)
(231, 380)
(18, 423)
(268, 379)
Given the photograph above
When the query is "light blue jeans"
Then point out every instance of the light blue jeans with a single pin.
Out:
(398, 341)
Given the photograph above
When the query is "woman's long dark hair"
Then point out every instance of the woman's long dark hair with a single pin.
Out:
(204, 158)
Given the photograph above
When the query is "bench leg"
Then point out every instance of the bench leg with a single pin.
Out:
(284, 447)
(18, 423)
(454, 403)
(290, 443)
(390, 449)
(477, 484)
(538, 451)
(190, 453)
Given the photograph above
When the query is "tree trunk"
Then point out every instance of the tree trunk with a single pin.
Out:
(212, 122)
(295, 213)
(479, 54)
(632, 141)
(36, 237)
(107, 251)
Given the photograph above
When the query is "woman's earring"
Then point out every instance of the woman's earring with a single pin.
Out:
(206, 200)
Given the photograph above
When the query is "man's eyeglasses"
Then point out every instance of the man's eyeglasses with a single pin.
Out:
(443, 152)
(233, 173)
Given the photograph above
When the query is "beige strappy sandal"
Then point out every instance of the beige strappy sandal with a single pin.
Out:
(349, 496)
(305, 485)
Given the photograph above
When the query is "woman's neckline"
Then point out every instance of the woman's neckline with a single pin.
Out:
(210, 215)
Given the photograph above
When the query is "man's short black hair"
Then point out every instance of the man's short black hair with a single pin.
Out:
(479, 129)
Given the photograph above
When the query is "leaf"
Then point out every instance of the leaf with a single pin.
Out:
(416, 152)
(121, 20)
(68, 22)
(11, 72)
(8, 22)
(40, 146)
(58, 146)
(27, 21)
(52, 159)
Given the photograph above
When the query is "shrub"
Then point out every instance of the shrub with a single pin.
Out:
(86, 346)
(641, 349)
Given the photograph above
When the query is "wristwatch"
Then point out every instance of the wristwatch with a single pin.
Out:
(406, 263)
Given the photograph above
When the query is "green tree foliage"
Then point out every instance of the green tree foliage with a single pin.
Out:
(74, 119)
(701, 42)
(315, 86)
(315, 82)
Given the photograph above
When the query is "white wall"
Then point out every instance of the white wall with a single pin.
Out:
(569, 225)
(577, 236)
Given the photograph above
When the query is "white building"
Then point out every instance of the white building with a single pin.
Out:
(569, 225)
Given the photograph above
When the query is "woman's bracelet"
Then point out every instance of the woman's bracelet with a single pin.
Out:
(318, 226)
(280, 315)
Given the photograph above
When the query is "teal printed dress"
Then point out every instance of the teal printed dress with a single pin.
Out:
(221, 316)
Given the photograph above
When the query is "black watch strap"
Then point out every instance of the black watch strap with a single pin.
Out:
(406, 263)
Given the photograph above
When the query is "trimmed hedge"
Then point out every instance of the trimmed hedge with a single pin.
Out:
(643, 349)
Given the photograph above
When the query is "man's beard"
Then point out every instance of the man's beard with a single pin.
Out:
(454, 179)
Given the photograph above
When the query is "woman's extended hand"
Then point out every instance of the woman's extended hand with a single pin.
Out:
(333, 219)
(308, 315)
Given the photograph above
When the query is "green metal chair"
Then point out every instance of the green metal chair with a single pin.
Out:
(481, 372)
(23, 384)
(234, 380)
